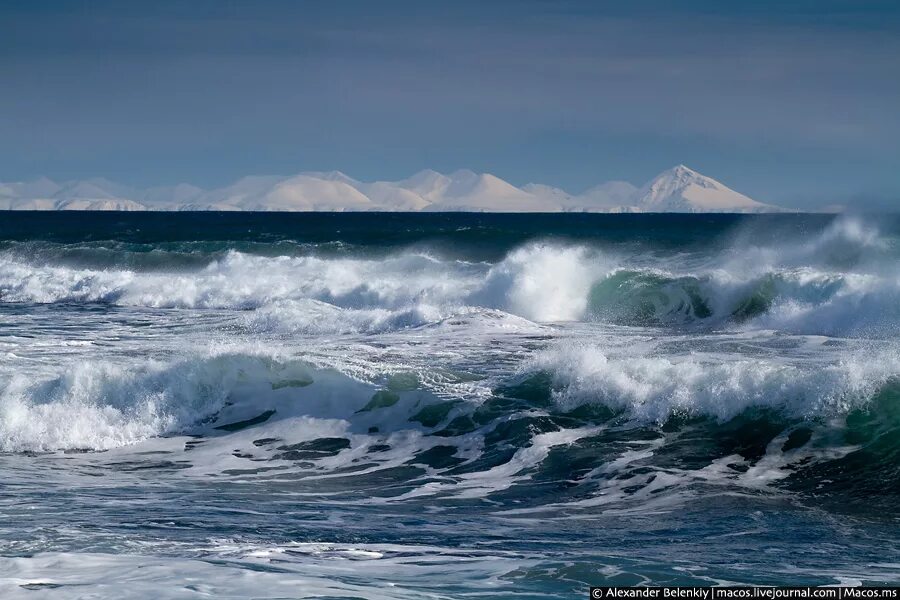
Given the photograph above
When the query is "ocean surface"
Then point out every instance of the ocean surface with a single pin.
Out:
(394, 406)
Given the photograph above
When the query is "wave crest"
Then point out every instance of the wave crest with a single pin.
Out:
(844, 281)
(656, 388)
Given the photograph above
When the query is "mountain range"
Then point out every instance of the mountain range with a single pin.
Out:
(678, 189)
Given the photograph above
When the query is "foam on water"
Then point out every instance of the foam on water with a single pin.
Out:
(231, 569)
(655, 388)
(258, 413)
(843, 282)
(97, 405)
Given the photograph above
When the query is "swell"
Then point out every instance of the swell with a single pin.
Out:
(538, 439)
(160, 256)
(655, 387)
(830, 431)
(99, 405)
(847, 455)
(694, 393)
(803, 300)
(102, 404)
(844, 281)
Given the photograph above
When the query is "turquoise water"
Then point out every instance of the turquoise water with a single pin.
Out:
(445, 406)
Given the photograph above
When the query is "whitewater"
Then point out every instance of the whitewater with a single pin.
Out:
(442, 406)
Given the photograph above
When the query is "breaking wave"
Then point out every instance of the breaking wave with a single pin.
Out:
(592, 372)
(843, 282)
(607, 427)
(657, 388)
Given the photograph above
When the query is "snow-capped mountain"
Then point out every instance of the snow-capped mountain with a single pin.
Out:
(90, 194)
(605, 197)
(467, 191)
(170, 197)
(612, 196)
(549, 193)
(306, 193)
(679, 189)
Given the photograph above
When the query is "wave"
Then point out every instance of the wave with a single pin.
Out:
(99, 405)
(576, 422)
(655, 389)
(829, 433)
(241, 281)
(843, 282)
(102, 404)
(575, 427)
(805, 300)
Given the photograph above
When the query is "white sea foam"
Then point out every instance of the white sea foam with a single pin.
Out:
(842, 282)
(100, 405)
(540, 281)
(543, 282)
(232, 569)
(242, 281)
(837, 283)
(654, 388)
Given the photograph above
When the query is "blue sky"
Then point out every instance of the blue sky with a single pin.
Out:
(790, 102)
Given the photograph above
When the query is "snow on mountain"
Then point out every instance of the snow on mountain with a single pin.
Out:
(170, 197)
(96, 194)
(83, 189)
(306, 193)
(428, 184)
(204, 207)
(99, 204)
(331, 176)
(612, 196)
(467, 191)
(385, 195)
(243, 190)
(548, 193)
(90, 194)
(679, 189)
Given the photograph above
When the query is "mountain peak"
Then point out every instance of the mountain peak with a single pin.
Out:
(463, 175)
(682, 170)
(334, 175)
(681, 189)
(683, 175)
(678, 189)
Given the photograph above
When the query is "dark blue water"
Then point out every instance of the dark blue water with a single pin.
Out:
(432, 405)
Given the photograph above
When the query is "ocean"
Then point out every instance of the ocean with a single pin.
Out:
(397, 406)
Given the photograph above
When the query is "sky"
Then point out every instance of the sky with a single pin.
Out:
(791, 102)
